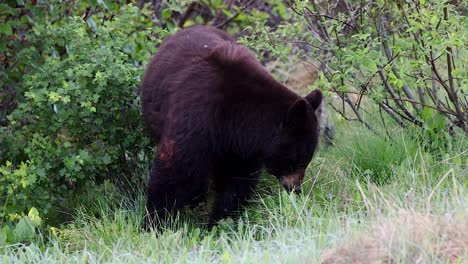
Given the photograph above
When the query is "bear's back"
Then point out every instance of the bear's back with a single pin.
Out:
(199, 71)
(178, 59)
(180, 71)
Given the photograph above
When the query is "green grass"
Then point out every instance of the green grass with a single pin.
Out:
(366, 199)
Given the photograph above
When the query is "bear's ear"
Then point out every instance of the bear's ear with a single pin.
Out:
(297, 113)
(314, 98)
(228, 53)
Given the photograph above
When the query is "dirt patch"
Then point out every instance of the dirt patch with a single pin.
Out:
(297, 74)
(407, 238)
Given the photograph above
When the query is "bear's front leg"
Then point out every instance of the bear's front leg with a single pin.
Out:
(171, 186)
(234, 185)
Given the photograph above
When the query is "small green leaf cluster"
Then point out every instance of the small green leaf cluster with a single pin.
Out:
(79, 122)
(23, 231)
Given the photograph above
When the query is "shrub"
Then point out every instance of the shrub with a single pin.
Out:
(79, 123)
(17, 20)
(405, 58)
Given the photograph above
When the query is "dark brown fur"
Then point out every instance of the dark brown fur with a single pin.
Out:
(218, 115)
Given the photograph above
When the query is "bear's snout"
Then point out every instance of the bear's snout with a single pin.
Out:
(292, 182)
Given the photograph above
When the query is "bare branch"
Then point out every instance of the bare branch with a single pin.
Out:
(356, 112)
(452, 94)
(449, 58)
(242, 9)
(190, 9)
(425, 105)
(388, 53)
(392, 114)
(396, 98)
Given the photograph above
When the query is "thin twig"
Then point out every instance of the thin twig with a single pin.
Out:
(190, 9)
(243, 8)
(356, 112)
(392, 114)
(425, 105)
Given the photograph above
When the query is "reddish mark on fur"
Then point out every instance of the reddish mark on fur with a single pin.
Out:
(166, 150)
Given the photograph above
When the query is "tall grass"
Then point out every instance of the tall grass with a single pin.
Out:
(388, 196)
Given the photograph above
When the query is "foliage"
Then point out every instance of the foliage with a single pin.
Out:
(79, 122)
(405, 58)
(270, 43)
(23, 231)
(17, 19)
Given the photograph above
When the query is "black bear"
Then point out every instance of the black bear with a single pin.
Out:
(219, 117)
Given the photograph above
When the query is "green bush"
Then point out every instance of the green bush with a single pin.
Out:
(18, 19)
(79, 123)
(405, 58)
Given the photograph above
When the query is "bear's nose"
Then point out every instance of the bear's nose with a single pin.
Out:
(292, 182)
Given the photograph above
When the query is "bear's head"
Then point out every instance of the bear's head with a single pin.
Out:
(294, 145)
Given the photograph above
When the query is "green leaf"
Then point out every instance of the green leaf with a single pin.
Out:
(84, 154)
(24, 230)
(5, 29)
(4, 235)
(54, 97)
(434, 20)
(433, 119)
(166, 14)
(392, 77)
(7, 236)
(100, 2)
(4, 8)
(34, 217)
(106, 159)
(399, 83)
(91, 23)
(66, 99)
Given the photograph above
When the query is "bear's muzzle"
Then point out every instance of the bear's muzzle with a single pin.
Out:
(292, 182)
